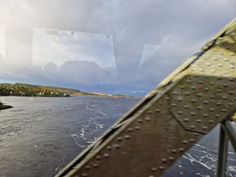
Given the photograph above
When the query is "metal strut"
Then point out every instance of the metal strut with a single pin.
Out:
(223, 152)
(187, 105)
(227, 134)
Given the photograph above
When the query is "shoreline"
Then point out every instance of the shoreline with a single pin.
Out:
(73, 95)
(29, 90)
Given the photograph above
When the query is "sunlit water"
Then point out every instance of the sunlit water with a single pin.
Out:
(39, 136)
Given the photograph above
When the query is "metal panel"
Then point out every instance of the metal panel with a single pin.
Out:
(170, 120)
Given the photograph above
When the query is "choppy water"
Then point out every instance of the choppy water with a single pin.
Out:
(39, 136)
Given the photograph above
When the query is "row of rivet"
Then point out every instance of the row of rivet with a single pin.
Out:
(107, 155)
(171, 158)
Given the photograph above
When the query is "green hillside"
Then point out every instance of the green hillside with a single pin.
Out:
(20, 89)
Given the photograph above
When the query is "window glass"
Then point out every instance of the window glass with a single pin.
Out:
(71, 68)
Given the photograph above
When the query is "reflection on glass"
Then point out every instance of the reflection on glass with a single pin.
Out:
(93, 49)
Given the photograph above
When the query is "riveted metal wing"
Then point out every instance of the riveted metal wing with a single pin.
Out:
(171, 119)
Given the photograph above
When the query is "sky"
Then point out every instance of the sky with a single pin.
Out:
(113, 46)
(66, 45)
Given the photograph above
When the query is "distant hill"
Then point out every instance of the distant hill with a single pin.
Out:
(22, 89)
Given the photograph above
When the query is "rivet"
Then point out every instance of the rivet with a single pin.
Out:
(179, 112)
(188, 81)
(95, 165)
(218, 103)
(173, 105)
(106, 155)
(211, 121)
(151, 176)
(127, 137)
(180, 99)
(199, 120)
(224, 97)
(204, 127)
(84, 174)
(192, 127)
(213, 71)
(225, 59)
(87, 167)
(192, 140)
(186, 106)
(212, 109)
(130, 129)
(205, 102)
(173, 151)
(205, 115)
(193, 87)
(192, 113)
(225, 85)
(215, 59)
(231, 92)
(193, 100)
(147, 118)
(116, 146)
(139, 120)
(187, 93)
(164, 160)
(161, 168)
(109, 147)
(157, 110)
(199, 95)
(217, 115)
(212, 96)
(199, 108)
(223, 110)
(149, 112)
(171, 158)
(202, 70)
(154, 169)
(137, 128)
(218, 90)
(181, 149)
(119, 138)
(206, 89)
(174, 93)
(98, 157)
(184, 141)
(186, 120)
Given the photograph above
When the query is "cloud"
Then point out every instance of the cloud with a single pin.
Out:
(57, 46)
(83, 73)
(150, 38)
